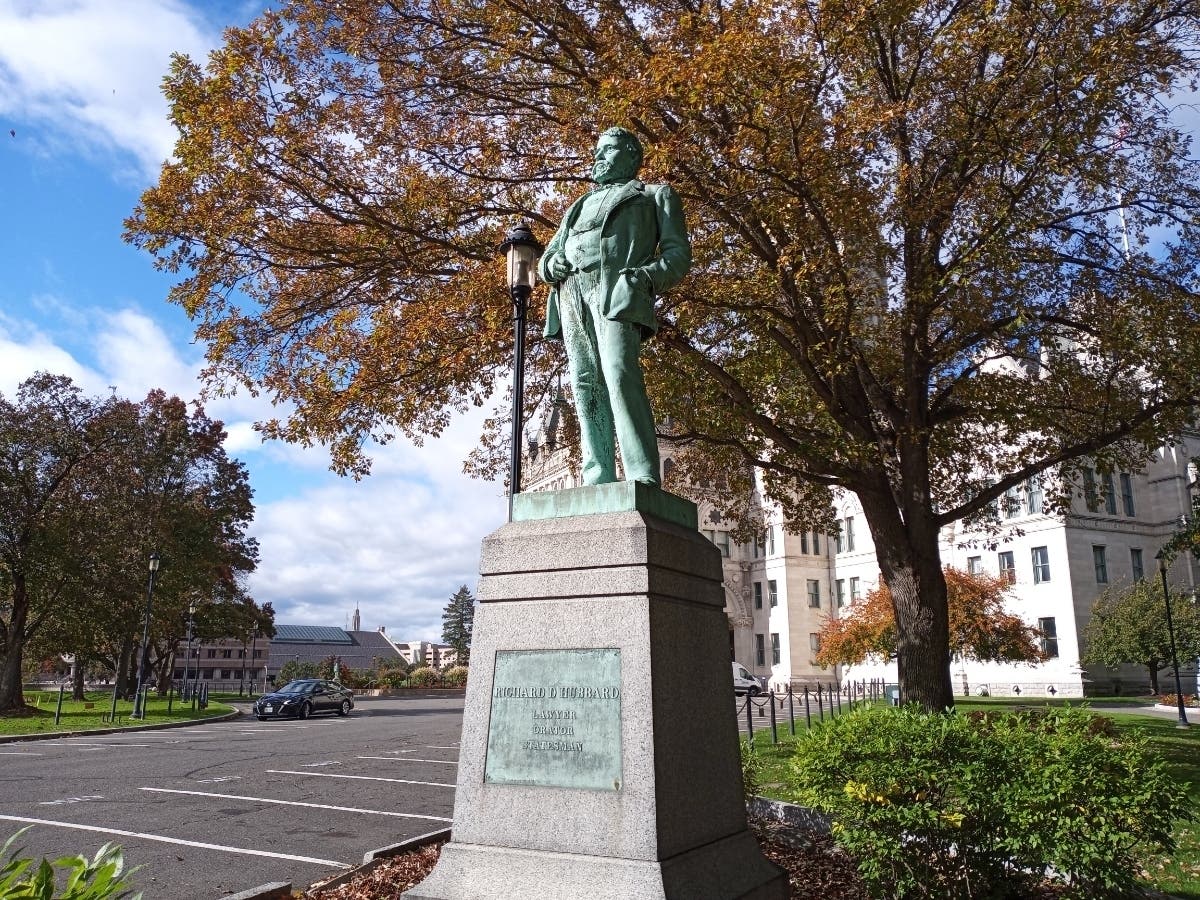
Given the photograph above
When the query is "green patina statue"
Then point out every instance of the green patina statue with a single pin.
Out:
(618, 246)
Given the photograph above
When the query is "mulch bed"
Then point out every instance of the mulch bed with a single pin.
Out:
(816, 867)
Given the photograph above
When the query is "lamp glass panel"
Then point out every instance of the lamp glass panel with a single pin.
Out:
(521, 265)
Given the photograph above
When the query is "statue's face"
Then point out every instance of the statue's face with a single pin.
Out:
(613, 162)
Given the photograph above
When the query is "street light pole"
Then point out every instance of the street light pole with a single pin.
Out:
(139, 710)
(1162, 570)
(522, 250)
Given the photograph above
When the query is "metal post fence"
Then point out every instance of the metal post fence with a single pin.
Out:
(791, 710)
(820, 703)
(839, 700)
(749, 720)
(774, 729)
(58, 709)
(807, 710)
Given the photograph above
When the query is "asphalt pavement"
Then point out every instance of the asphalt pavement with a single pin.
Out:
(219, 807)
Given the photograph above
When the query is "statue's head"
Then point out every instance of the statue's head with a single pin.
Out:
(618, 156)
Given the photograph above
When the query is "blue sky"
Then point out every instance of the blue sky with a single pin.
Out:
(83, 129)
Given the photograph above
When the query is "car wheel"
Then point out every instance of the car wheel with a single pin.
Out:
(305, 710)
(344, 709)
(754, 692)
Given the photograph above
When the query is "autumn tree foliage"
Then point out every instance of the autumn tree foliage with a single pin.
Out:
(911, 278)
(1129, 626)
(88, 489)
(981, 628)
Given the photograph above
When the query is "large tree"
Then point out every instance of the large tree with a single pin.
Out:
(1129, 625)
(458, 623)
(88, 490)
(911, 280)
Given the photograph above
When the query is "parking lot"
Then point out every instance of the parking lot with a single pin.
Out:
(217, 808)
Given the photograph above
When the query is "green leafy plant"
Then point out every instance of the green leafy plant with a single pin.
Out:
(101, 878)
(752, 769)
(455, 675)
(423, 676)
(944, 805)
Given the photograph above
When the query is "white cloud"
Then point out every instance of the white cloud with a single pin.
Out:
(90, 70)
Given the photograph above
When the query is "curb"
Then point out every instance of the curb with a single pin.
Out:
(371, 860)
(276, 890)
(787, 813)
(55, 735)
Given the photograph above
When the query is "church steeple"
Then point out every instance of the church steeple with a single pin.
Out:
(356, 622)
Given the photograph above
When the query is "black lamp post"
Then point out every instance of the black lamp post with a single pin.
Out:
(187, 657)
(522, 250)
(139, 711)
(253, 638)
(1162, 570)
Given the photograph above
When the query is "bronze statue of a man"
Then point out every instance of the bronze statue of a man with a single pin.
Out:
(618, 245)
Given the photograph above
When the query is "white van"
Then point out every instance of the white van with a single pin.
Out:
(744, 682)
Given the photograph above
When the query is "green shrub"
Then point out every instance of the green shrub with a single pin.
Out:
(944, 805)
(102, 878)
(752, 769)
(455, 675)
(392, 678)
(423, 676)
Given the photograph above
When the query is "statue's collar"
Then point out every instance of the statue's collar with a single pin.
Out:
(631, 185)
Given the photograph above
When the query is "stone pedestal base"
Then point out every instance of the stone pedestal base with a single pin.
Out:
(669, 822)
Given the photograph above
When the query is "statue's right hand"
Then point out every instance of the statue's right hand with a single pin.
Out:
(558, 267)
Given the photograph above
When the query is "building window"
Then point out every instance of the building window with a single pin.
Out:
(816, 545)
(1100, 563)
(839, 588)
(760, 650)
(1127, 493)
(1041, 565)
(853, 589)
(804, 542)
(1110, 495)
(974, 564)
(227, 654)
(1033, 494)
(1007, 565)
(849, 526)
(1049, 638)
(774, 649)
(814, 593)
(212, 654)
(1135, 563)
(758, 595)
(1012, 503)
(770, 540)
(814, 642)
(773, 592)
(1090, 496)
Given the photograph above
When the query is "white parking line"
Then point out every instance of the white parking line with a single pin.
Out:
(357, 777)
(444, 762)
(17, 753)
(162, 839)
(371, 812)
(455, 747)
(70, 800)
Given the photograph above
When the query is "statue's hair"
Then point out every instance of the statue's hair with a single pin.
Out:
(629, 142)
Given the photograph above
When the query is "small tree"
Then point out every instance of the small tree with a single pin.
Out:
(1129, 625)
(980, 627)
(458, 620)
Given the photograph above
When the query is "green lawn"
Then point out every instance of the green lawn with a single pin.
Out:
(93, 713)
(1178, 874)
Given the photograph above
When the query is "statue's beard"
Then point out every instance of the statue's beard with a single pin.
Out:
(604, 172)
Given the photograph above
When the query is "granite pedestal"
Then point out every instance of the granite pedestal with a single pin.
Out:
(599, 754)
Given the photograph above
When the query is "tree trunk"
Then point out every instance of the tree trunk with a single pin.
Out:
(912, 569)
(122, 678)
(1153, 666)
(77, 679)
(12, 696)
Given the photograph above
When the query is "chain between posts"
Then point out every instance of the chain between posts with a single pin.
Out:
(833, 698)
